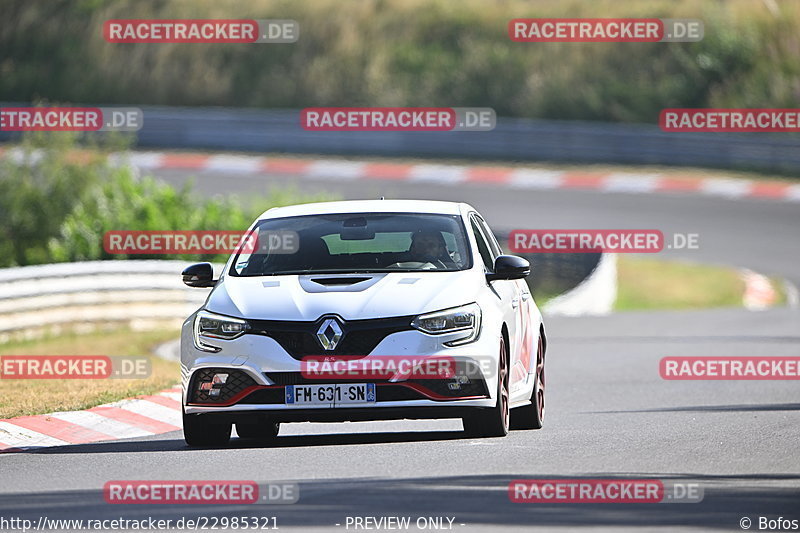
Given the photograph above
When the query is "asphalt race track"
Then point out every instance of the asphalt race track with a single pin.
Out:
(609, 414)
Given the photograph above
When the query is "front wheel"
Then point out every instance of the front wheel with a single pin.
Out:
(198, 431)
(531, 416)
(493, 422)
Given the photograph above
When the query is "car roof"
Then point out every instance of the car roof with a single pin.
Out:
(369, 206)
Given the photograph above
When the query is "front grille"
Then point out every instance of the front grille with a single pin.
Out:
(288, 378)
(266, 396)
(235, 383)
(397, 393)
(359, 337)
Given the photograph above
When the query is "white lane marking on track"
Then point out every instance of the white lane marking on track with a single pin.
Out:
(21, 437)
(96, 422)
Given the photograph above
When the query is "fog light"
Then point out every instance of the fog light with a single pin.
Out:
(464, 380)
(219, 379)
(454, 386)
(213, 393)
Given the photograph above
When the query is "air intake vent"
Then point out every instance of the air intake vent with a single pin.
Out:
(338, 281)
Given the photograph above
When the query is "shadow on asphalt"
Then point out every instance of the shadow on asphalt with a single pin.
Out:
(679, 339)
(712, 408)
(293, 441)
(473, 500)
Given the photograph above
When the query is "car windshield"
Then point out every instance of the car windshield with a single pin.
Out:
(355, 243)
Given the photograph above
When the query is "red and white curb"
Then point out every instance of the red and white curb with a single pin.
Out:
(759, 294)
(509, 177)
(135, 417)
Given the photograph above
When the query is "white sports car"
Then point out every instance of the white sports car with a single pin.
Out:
(339, 311)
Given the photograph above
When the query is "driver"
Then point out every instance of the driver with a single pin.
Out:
(429, 246)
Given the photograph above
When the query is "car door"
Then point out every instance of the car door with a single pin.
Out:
(526, 333)
(509, 294)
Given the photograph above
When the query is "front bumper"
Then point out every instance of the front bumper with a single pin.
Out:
(266, 368)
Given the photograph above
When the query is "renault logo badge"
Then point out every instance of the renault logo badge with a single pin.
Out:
(329, 334)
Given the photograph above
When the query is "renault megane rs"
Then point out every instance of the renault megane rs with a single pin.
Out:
(363, 310)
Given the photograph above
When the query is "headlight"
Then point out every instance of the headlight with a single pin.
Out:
(212, 326)
(466, 319)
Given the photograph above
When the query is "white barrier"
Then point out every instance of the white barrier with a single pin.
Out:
(42, 300)
(595, 295)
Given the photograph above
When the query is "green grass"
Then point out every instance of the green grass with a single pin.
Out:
(647, 284)
(30, 397)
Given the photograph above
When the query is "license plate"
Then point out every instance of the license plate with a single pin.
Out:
(333, 395)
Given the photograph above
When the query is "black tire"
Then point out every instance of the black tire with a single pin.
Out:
(494, 421)
(198, 431)
(531, 416)
(265, 431)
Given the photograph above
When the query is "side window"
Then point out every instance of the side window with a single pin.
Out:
(495, 248)
(483, 248)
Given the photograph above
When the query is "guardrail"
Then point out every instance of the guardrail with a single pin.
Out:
(49, 299)
(513, 139)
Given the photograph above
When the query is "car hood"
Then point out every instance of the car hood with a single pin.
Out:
(351, 296)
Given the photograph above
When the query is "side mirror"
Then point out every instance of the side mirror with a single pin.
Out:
(199, 275)
(509, 267)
